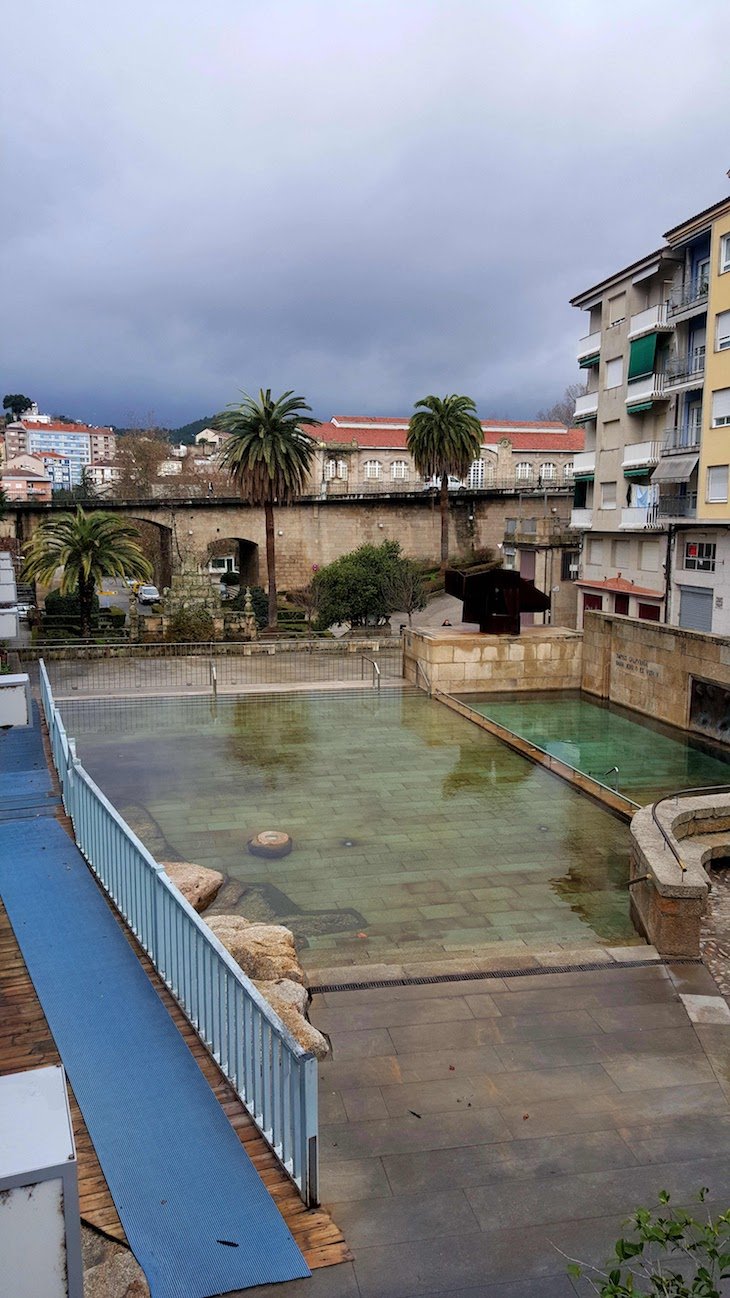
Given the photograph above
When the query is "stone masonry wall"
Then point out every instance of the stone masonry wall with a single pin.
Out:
(649, 667)
(542, 658)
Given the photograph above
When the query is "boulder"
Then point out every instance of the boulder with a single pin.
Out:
(265, 951)
(197, 883)
(289, 1000)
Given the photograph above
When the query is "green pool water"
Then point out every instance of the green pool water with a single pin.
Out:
(416, 835)
(653, 759)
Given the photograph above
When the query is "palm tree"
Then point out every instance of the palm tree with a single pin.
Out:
(444, 436)
(88, 546)
(268, 456)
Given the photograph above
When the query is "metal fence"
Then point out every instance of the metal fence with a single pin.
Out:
(161, 669)
(273, 1075)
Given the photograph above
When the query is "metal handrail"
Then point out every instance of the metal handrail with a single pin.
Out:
(682, 793)
(420, 668)
(376, 670)
(275, 1077)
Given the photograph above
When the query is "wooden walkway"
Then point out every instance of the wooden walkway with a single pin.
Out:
(26, 1043)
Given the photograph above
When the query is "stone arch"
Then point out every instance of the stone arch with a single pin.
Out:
(243, 553)
(156, 542)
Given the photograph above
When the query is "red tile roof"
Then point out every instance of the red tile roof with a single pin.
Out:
(390, 433)
(40, 426)
(621, 587)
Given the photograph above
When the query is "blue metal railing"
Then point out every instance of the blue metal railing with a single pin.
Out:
(275, 1078)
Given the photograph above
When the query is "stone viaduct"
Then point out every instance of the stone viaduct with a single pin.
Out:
(311, 532)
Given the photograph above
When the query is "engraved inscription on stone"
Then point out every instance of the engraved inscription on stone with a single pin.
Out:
(637, 666)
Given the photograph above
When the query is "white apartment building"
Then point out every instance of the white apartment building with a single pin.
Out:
(656, 357)
(78, 444)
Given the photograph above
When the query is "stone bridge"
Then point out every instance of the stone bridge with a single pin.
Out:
(311, 532)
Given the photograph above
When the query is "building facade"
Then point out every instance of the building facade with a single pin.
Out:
(78, 444)
(656, 414)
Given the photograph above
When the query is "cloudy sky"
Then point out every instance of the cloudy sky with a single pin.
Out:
(363, 200)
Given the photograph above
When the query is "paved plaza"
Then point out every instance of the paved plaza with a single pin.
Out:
(474, 1133)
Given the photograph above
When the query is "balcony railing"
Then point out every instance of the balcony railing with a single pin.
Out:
(676, 506)
(681, 370)
(689, 295)
(589, 346)
(584, 463)
(680, 439)
(650, 388)
(640, 518)
(586, 407)
(641, 454)
(649, 321)
(581, 519)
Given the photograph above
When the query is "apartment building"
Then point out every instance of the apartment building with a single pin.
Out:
(22, 485)
(79, 444)
(651, 485)
(363, 454)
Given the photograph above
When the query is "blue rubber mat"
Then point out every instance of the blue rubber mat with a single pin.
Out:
(195, 1211)
(24, 776)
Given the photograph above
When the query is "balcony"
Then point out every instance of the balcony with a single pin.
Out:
(680, 439)
(586, 407)
(582, 519)
(640, 519)
(654, 320)
(642, 393)
(584, 464)
(672, 505)
(640, 455)
(589, 350)
(685, 371)
(690, 300)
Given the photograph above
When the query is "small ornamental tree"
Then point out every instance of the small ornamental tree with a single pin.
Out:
(360, 588)
(16, 404)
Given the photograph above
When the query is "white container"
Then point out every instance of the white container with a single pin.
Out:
(8, 590)
(15, 704)
(40, 1225)
(8, 623)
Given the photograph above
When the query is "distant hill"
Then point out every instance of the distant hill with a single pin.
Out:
(184, 435)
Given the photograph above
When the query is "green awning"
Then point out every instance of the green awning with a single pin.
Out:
(638, 473)
(639, 407)
(587, 476)
(588, 362)
(642, 357)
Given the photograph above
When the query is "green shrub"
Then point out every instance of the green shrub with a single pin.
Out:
(230, 578)
(259, 602)
(190, 626)
(65, 610)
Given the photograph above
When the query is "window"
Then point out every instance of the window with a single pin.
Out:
(595, 550)
(510, 526)
(548, 472)
(509, 553)
(592, 602)
(330, 469)
(621, 553)
(342, 468)
(722, 334)
(717, 484)
(569, 565)
(568, 471)
(699, 556)
(616, 308)
(621, 605)
(724, 253)
(475, 480)
(399, 470)
(523, 472)
(614, 376)
(373, 468)
(489, 472)
(649, 556)
(608, 495)
(649, 612)
(721, 407)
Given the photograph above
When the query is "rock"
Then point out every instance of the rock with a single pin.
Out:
(289, 1000)
(197, 883)
(265, 951)
(110, 1269)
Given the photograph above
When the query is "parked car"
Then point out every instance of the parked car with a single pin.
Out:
(148, 595)
(455, 484)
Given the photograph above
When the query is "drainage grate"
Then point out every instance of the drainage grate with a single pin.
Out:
(479, 975)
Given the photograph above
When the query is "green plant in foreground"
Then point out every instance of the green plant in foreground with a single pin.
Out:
(671, 1255)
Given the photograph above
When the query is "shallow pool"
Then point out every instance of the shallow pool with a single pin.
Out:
(652, 759)
(416, 835)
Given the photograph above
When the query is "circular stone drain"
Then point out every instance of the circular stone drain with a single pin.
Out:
(271, 842)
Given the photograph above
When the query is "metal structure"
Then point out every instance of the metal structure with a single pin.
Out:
(275, 1078)
(495, 597)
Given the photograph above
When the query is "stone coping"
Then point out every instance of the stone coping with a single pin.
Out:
(686, 822)
(470, 631)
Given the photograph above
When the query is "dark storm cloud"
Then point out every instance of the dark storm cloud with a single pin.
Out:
(363, 201)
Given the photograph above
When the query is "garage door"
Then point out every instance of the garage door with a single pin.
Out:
(695, 608)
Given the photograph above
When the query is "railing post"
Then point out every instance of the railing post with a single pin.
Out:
(310, 1147)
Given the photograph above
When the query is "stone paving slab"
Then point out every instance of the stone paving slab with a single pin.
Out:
(463, 1161)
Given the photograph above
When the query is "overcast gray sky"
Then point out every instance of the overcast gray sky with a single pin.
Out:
(363, 200)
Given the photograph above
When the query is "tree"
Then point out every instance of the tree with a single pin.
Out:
(88, 546)
(360, 587)
(16, 404)
(444, 437)
(268, 456)
(139, 456)
(83, 491)
(562, 411)
(405, 588)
